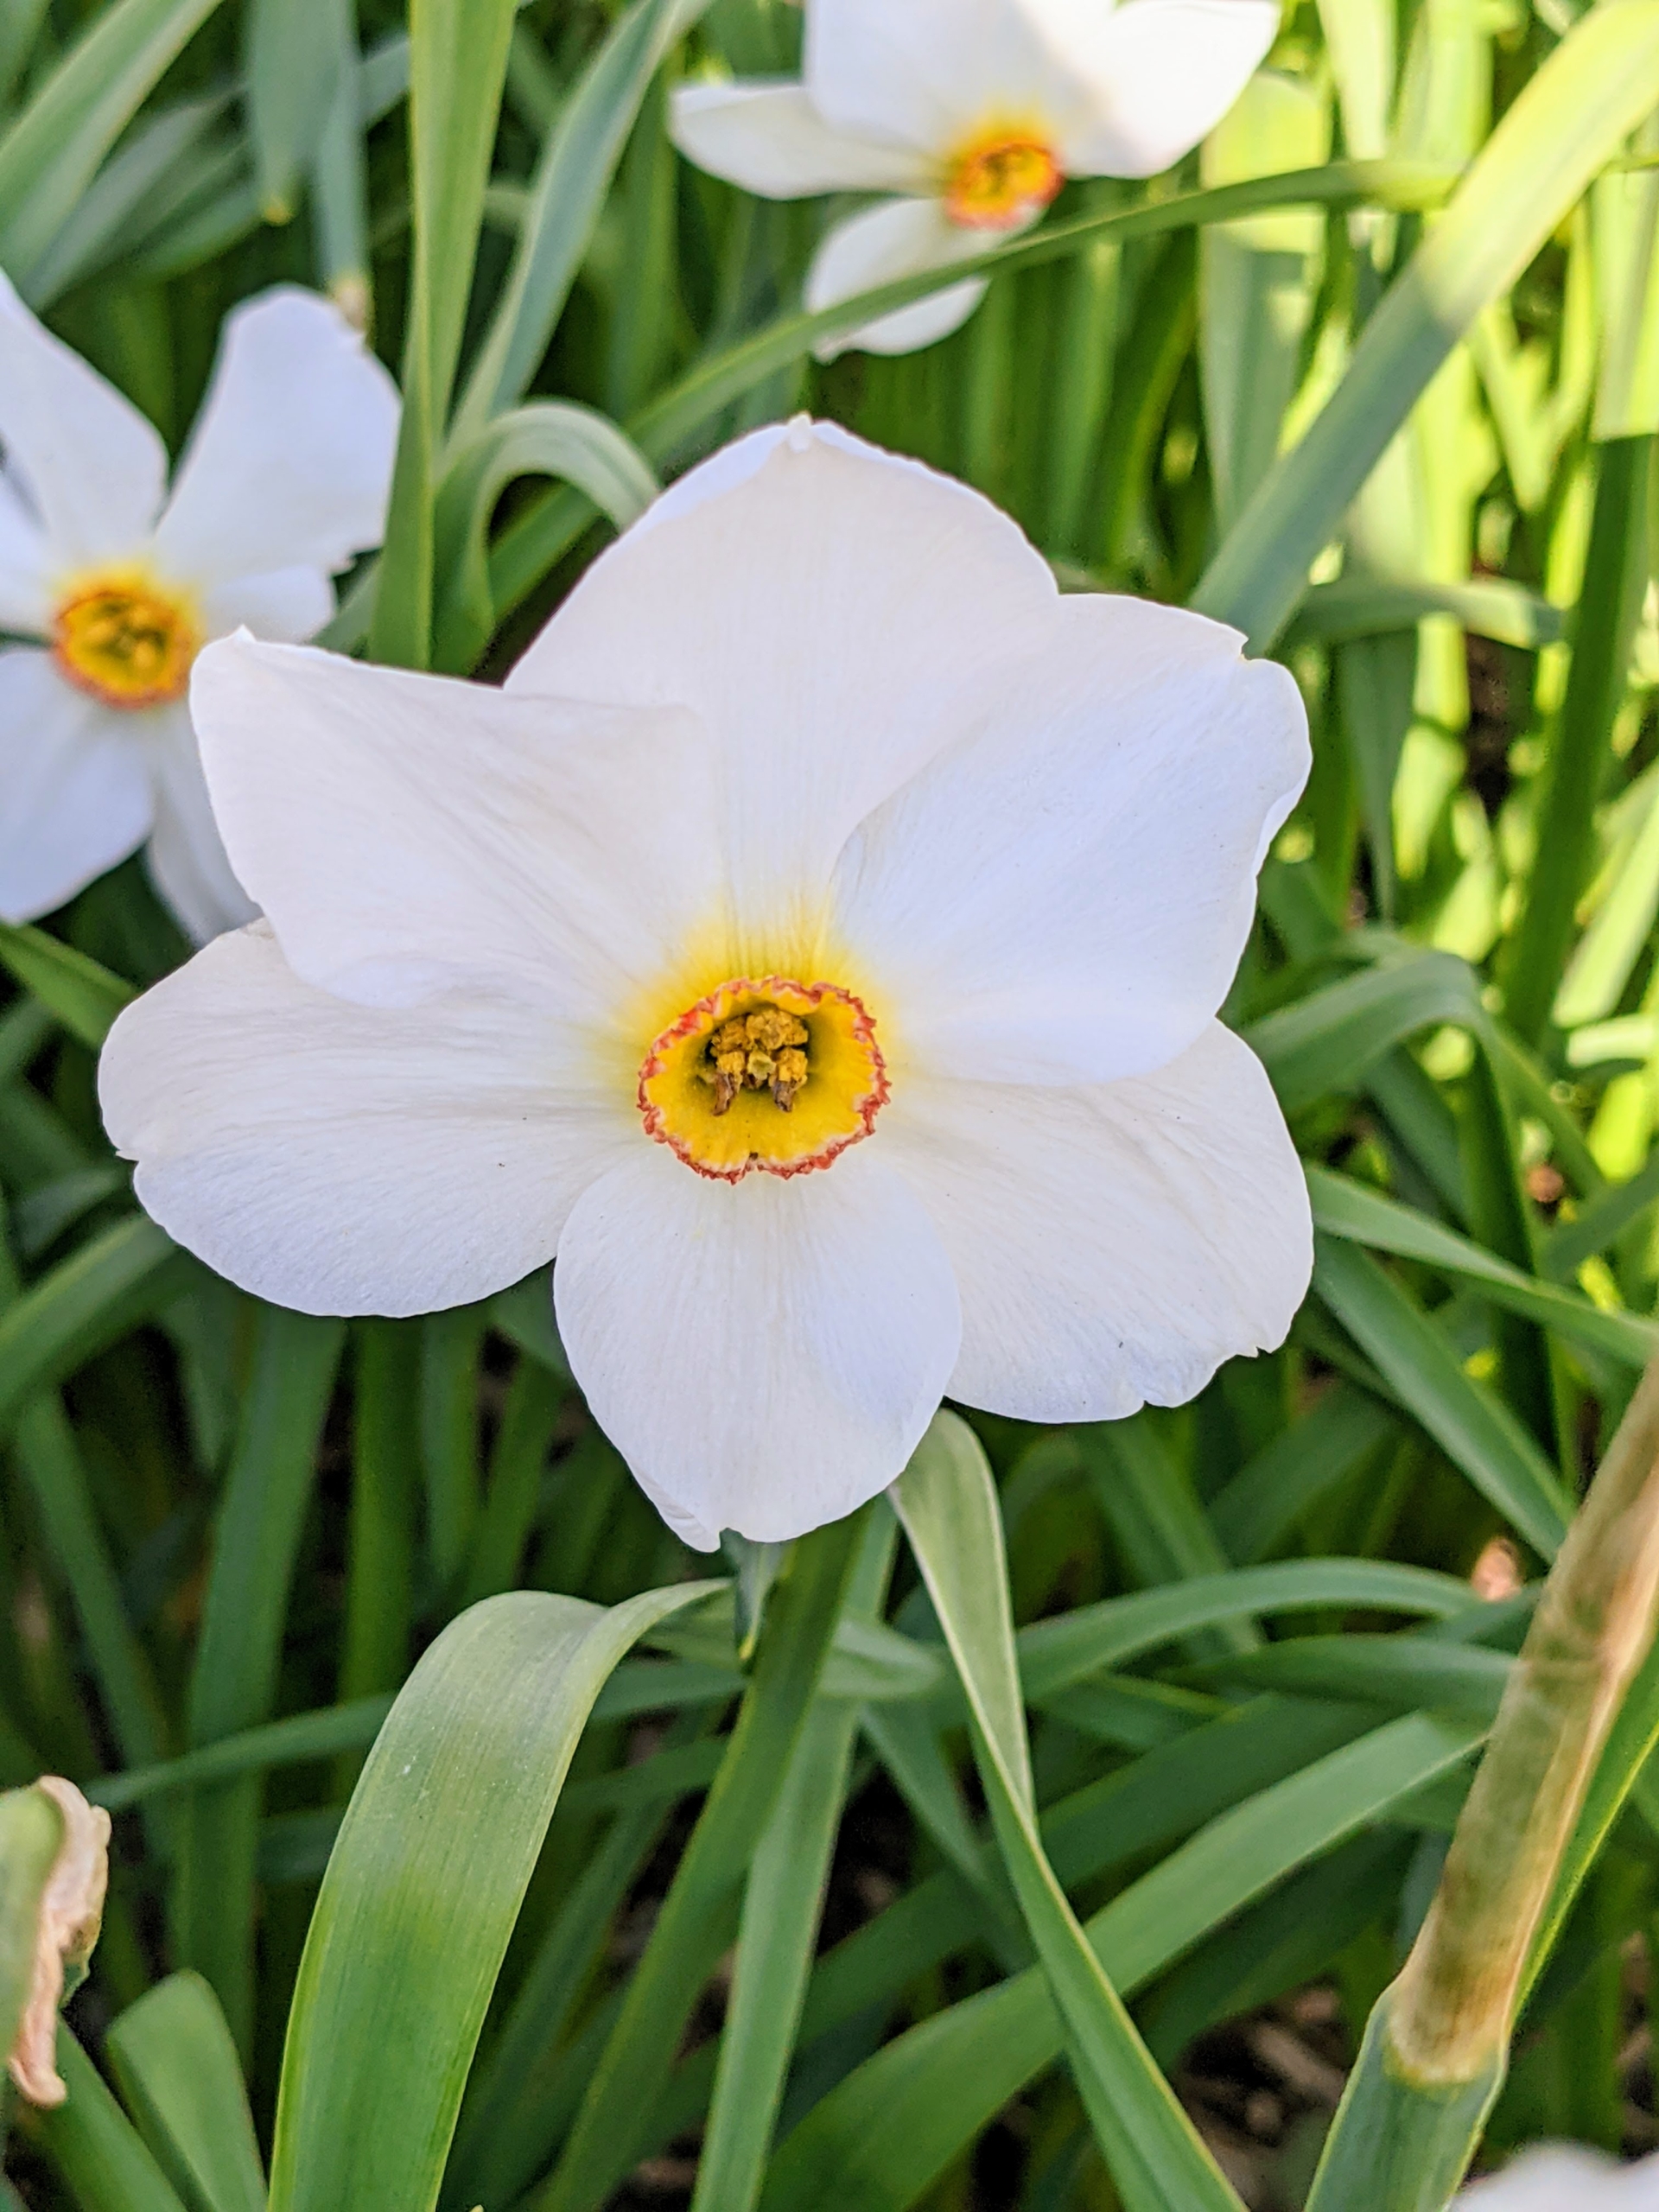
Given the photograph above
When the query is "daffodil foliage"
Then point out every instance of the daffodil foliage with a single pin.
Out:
(828, 1068)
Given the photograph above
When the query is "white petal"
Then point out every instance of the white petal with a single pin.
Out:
(1114, 1245)
(829, 611)
(338, 1160)
(899, 238)
(25, 566)
(765, 1354)
(185, 856)
(74, 788)
(770, 139)
(1566, 2177)
(93, 467)
(407, 833)
(929, 72)
(1160, 74)
(289, 464)
(285, 605)
(1064, 895)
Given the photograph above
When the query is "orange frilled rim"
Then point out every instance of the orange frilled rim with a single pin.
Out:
(846, 1086)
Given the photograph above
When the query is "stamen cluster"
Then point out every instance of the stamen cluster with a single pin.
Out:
(128, 644)
(760, 1051)
(1003, 185)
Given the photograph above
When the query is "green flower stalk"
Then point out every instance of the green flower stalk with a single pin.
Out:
(1436, 2047)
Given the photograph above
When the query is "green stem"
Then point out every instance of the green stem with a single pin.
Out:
(1615, 576)
(380, 1545)
(1436, 2047)
(233, 1684)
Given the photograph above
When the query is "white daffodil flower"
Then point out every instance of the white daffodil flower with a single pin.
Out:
(816, 944)
(120, 582)
(974, 113)
(1564, 2177)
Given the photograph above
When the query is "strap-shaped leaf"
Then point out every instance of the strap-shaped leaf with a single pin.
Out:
(85, 997)
(1346, 1209)
(423, 1891)
(880, 2137)
(84, 1304)
(1471, 1425)
(173, 2056)
(50, 154)
(565, 198)
(947, 1502)
(1327, 1042)
(1054, 1653)
(553, 438)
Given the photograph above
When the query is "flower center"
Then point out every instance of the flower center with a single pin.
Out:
(1001, 180)
(764, 1073)
(127, 638)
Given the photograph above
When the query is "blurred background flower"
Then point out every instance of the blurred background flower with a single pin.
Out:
(122, 581)
(974, 116)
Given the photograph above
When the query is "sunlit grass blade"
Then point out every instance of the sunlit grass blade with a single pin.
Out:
(1329, 1040)
(1615, 578)
(339, 189)
(423, 1891)
(566, 195)
(294, 50)
(294, 1741)
(1364, 605)
(1566, 124)
(547, 438)
(159, 167)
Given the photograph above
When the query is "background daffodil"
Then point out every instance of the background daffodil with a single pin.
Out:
(118, 581)
(818, 944)
(974, 116)
(1564, 2177)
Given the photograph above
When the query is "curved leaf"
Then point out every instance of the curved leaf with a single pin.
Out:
(947, 1501)
(422, 1890)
